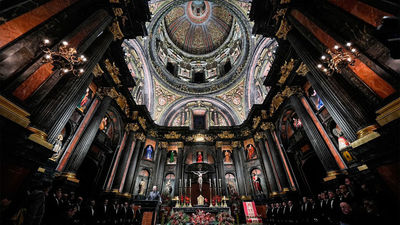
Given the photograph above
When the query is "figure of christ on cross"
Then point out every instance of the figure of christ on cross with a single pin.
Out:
(200, 175)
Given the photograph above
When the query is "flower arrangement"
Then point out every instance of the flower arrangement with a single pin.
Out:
(216, 199)
(178, 218)
(187, 200)
(225, 218)
(200, 217)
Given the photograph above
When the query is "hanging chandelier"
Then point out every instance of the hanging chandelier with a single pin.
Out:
(64, 58)
(338, 58)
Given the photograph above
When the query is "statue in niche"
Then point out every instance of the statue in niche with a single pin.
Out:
(104, 124)
(168, 187)
(343, 143)
(199, 157)
(85, 100)
(257, 184)
(172, 157)
(149, 152)
(251, 152)
(142, 187)
(227, 158)
(57, 147)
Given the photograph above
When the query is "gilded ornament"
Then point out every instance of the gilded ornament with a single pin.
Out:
(219, 144)
(142, 122)
(236, 144)
(264, 114)
(226, 135)
(283, 30)
(97, 71)
(200, 138)
(256, 121)
(113, 70)
(246, 132)
(132, 127)
(285, 2)
(267, 126)
(302, 70)
(164, 144)
(289, 91)
(279, 13)
(259, 136)
(116, 31)
(172, 135)
(286, 69)
(153, 133)
(118, 12)
(140, 136)
(275, 103)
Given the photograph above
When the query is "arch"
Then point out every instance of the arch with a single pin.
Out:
(170, 113)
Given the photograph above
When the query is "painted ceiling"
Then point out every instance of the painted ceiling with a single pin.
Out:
(199, 28)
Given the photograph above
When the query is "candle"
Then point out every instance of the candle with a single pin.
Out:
(220, 182)
(190, 182)
(185, 182)
(209, 181)
(215, 183)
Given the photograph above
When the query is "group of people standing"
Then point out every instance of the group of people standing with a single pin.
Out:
(348, 204)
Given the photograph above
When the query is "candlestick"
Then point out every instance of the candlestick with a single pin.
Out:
(220, 183)
(190, 182)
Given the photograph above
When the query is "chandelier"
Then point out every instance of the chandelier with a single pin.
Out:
(338, 59)
(64, 58)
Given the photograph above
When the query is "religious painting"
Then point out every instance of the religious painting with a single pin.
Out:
(256, 180)
(227, 157)
(250, 149)
(87, 98)
(199, 157)
(104, 124)
(231, 183)
(143, 182)
(169, 183)
(171, 157)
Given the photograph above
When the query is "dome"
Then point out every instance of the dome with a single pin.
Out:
(198, 27)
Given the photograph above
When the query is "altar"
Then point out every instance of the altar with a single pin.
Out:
(213, 210)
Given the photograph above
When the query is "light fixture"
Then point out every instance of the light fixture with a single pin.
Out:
(338, 58)
(63, 58)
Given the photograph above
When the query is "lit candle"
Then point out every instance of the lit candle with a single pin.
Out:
(215, 183)
(209, 181)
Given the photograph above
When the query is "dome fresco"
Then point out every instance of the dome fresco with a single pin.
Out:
(198, 27)
(191, 39)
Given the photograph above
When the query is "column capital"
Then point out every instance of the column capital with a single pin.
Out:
(267, 126)
(132, 127)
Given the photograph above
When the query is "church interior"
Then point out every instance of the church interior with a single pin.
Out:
(123, 112)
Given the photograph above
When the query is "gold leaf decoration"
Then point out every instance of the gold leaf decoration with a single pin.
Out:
(267, 126)
(283, 30)
(113, 70)
(286, 69)
(226, 135)
(97, 71)
(246, 132)
(140, 136)
(236, 144)
(302, 70)
(153, 133)
(164, 144)
(256, 121)
(132, 127)
(259, 136)
(116, 31)
(172, 135)
(142, 122)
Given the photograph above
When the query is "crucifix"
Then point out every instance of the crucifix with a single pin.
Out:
(200, 175)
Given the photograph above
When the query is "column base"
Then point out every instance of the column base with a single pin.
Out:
(274, 194)
(331, 175)
(127, 195)
(70, 177)
(365, 135)
(39, 137)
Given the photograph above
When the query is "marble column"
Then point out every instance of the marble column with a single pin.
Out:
(133, 170)
(85, 142)
(271, 180)
(347, 113)
(123, 160)
(220, 166)
(56, 109)
(179, 170)
(321, 149)
(276, 160)
(239, 171)
(129, 184)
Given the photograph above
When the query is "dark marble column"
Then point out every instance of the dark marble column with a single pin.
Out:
(123, 160)
(220, 166)
(239, 171)
(159, 168)
(321, 149)
(179, 170)
(133, 172)
(271, 180)
(276, 161)
(83, 146)
(58, 106)
(344, 110)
